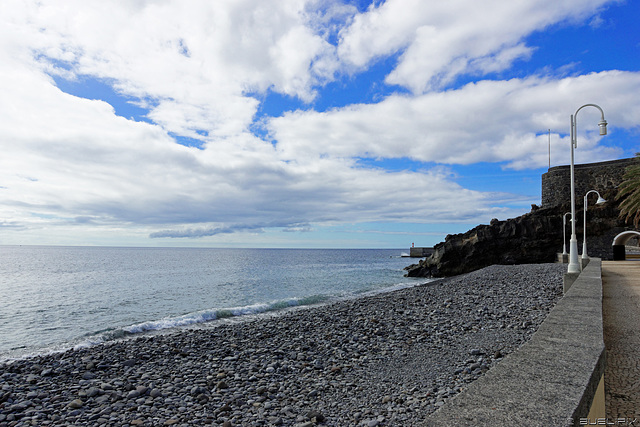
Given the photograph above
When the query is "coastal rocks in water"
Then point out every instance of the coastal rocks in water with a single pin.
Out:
(530, 238)
(383, 360)
(535, 237)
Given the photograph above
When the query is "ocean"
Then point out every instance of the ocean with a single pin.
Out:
(54, 298)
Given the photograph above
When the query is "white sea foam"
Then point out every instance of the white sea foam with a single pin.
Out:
(61, 298)
(212, 315)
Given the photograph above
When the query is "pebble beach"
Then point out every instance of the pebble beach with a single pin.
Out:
(384, 360)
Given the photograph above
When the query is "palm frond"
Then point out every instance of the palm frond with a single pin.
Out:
(629, 191)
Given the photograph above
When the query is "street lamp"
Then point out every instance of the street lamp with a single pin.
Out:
(564, 233)
(584, 224)
(574, 266)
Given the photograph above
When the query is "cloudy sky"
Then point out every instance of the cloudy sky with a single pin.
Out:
(300, 123)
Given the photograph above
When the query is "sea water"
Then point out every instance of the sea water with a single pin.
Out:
(53, 298)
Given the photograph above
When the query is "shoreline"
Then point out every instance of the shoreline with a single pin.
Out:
(387, 359)
(104, 294)
(232, 315)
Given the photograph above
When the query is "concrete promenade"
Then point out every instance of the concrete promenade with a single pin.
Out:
(621, 327)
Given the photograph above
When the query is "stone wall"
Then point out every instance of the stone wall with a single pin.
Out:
(420, 252)
(602, 176)
(552, 379)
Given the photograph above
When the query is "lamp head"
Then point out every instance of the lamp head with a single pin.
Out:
(600, 200)
(603, 127)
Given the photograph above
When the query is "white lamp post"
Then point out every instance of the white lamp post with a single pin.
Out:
(564, 233)
(584, 224)
(574, 266)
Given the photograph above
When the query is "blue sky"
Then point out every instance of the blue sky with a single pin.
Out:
(300, 123)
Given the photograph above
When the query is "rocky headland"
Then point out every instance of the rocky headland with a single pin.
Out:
(535, 237)
(389, 359)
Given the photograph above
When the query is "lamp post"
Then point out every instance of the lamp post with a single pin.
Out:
(584, 224)
(574, 266)
(564, 233)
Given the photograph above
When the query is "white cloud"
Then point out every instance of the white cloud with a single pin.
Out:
(74, 162)
(489, 121)
(196, 63)
(71, 163)
(441, 40)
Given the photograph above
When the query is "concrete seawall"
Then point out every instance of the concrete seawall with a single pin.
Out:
(415, 252)
(555, 379)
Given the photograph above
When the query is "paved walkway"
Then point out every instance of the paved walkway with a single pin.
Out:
(621, 318)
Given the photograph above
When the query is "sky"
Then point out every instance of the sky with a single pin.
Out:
(300, 123)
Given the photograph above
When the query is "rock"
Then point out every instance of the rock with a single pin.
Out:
(19, 407)
(102, 399)
(93, 392)
(315, 416)
(196, 390)
(531, 238)
(129, 363)
(76, 404)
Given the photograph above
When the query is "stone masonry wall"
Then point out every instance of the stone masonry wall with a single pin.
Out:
(603, 222)
(602, 176)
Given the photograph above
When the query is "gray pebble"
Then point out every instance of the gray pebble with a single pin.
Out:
(383, 360)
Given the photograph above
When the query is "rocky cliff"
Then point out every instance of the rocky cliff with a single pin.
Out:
(535, 237)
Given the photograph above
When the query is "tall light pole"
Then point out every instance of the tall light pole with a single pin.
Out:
(574, 266)
(584, 224)
(549, 149)
(564, 233)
